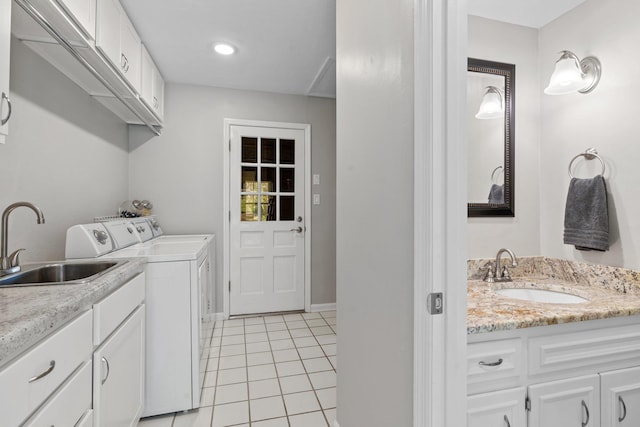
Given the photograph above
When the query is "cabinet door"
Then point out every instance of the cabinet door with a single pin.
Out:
(157, 101)
(566, 403)
(108, 31)
(131, 52)
(5, 45)
(620, 398)
(146, 79)
(504, 408)
(83, 12)
(118, 379)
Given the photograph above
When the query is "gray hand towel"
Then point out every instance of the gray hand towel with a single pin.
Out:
(496, 194)
(586, 217)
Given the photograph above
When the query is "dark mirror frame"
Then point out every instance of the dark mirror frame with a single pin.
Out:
(509, 72)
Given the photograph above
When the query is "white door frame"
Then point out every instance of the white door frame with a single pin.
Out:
(440, 212)
(226, 258)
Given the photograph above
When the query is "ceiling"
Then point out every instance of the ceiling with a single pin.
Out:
(283, 46)
(530, 13)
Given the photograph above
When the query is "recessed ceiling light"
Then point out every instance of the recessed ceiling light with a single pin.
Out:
(224, 48)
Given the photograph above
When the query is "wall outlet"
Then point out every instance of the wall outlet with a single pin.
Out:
(316, 179)
(316, 199)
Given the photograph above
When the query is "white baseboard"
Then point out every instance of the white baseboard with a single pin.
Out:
(323, 307)
(214, 317)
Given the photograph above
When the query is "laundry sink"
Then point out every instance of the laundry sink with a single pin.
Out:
(59, 273)
(541, 295)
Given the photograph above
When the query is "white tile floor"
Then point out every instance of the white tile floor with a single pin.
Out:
(273, 371)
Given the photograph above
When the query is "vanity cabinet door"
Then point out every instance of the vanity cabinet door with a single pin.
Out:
(621, 398)
(566, 403)
(503, 408)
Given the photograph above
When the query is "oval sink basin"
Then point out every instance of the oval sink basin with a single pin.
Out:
(59, 273)
(541, 295)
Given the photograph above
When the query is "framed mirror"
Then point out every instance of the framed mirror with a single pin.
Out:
(490, 148)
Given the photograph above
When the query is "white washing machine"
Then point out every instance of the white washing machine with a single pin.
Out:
(176, 272)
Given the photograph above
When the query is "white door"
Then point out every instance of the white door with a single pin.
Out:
(267, 219)
(566, 403)
(620, 398)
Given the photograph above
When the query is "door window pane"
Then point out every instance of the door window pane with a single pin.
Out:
(249, 207)
(268, 208)
(249, 150)
(287, 211)
(249, 179)
(287, 180)
(268, 179)
(287, 152)
(268, 150)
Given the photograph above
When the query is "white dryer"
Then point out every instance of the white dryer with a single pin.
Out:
(176, 272)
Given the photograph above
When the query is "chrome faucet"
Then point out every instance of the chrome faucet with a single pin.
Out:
(501, 272)
(11, 263)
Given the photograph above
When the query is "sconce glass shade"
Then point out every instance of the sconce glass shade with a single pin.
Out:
(492, 105)
(572, 75)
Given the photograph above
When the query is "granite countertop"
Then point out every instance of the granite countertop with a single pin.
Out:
(611, 291)
(29, 314)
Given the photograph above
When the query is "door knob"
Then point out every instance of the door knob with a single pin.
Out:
(298, 229)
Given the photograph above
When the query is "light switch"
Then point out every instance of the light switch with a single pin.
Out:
(316, 199)
(316, 179)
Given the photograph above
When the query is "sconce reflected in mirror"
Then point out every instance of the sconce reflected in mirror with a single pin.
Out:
(492, 105)
(574, 75)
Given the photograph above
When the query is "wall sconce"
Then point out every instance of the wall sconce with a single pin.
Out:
(573, 75)
(492, 105)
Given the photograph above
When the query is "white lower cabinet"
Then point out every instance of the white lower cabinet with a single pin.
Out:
(564, 403)
(620, 398)
(504, 408)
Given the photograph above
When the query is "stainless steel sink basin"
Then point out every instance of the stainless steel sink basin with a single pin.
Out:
(59, 273)
(541, 295)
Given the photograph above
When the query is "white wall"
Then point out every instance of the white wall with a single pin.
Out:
(181, 170)
(375, 212)
(606, 119)
(514, 44)
(65, 153)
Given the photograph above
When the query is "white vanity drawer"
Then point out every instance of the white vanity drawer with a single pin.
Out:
(69, 405)
(597, 348)
(30, 380)
(109, 313)
(494, 365)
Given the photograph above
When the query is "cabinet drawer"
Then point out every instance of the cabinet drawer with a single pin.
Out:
(69, 405)
(498, 408)
(494, 365)
(595, 349)
(112, 310)
(21, 392)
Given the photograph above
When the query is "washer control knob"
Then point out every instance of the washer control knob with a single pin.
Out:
(101, 236)
(130, 230)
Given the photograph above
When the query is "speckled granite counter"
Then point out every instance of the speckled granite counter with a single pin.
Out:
(611, 291)
(29, 314)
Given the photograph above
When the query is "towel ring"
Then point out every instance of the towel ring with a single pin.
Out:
(494, 173)
(590, 154)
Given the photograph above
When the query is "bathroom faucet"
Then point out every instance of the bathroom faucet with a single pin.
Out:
(501, 272)
(11, 263)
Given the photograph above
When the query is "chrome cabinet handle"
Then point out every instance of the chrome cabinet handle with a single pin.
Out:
(124, 62)
(298, 229)
(506, 421)
(624, 409)
(498, 363)
(52, 365)
(586, 409)
(155, 103)
(6, 119)
(104, 359)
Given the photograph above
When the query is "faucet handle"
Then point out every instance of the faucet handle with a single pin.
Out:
(489, 275)
(505, 273)
(14, 258)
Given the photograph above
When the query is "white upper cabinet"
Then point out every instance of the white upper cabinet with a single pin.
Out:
(152, 85)
(83, 13)
(118, 40)
(5, 45)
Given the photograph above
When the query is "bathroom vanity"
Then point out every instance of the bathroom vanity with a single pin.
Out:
(543, 364)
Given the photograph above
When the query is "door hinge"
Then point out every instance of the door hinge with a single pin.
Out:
(527, 404)
(229, 215)
(229, 285)
(229, 145)
(435, 303)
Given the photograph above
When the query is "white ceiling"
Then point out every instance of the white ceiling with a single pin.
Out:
(530, 13)
(283, 46)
